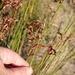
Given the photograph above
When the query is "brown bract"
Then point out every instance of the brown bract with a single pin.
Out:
(73, 1)
(13, 3)
(7, 19)
(58, 1)
(34, 32)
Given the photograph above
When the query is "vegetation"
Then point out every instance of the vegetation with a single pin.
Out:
(27, 28)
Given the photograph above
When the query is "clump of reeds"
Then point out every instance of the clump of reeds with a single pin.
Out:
(34, 36)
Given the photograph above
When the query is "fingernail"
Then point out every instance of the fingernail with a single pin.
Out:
(29, 70)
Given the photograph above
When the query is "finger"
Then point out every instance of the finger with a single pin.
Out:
(10, 57)
(20, 71)
(1, 64)
(3, 70)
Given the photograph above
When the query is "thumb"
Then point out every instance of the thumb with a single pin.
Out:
(9, 58)
(20, 71)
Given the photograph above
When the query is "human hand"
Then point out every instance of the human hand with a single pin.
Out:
(12, 64)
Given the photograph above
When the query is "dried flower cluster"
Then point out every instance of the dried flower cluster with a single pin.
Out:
(33, 37)
(7, 19)
(73, 1)
(12, 3)
(52, 9)
(58, 1)
(34, 32)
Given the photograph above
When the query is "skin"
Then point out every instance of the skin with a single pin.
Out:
(12, 63)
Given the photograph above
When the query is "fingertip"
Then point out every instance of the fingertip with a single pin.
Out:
(29, 70)
(21, 62)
